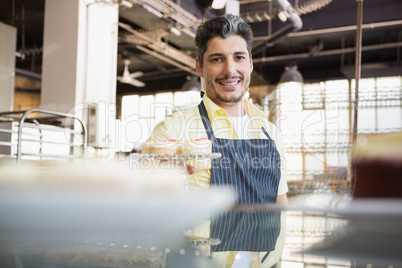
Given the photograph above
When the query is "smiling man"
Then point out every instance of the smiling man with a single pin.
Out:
(252, 151)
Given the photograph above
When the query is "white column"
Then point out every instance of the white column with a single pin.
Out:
(8, 45)
(79, 62)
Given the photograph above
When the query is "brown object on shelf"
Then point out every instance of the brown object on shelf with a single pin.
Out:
(377, 167)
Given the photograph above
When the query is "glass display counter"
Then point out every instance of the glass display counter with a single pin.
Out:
(83, 218)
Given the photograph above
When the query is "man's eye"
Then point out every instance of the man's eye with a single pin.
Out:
(216, 59)
(240, 57)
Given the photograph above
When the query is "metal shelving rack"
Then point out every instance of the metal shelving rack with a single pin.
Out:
(327, 142)
(35, 116)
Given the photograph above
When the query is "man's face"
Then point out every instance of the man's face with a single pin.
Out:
(226, 70)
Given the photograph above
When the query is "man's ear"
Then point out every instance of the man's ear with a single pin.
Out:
(198, 67)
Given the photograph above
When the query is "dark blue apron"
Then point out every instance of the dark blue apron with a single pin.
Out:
(252, 167)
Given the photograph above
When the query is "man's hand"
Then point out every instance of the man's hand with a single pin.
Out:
(282, 199)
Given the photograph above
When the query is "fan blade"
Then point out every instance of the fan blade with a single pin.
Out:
(136, 74)
(137, 83)
(129, 78)
(124, 79)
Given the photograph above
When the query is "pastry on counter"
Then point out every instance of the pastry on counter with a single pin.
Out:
(199, 146)
(166, 147)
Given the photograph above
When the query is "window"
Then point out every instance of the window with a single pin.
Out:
(140, 114)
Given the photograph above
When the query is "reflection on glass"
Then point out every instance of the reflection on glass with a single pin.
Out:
(246, 231)
(247, 239)
(241, 238)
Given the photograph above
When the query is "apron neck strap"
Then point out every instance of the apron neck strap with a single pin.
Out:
(205, 120)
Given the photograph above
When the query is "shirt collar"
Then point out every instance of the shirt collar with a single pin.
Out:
(252, 110)
(212, 109)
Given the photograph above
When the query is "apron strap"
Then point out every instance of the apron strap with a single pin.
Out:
(266, 133)
(205, 120)
(207, 123)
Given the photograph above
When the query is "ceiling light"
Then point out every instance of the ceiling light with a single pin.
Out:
(282, 16)
(232, 7)
(291, 74)
(218, 4)
(192, 84)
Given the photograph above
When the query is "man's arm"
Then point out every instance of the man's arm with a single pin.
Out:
(282, 199)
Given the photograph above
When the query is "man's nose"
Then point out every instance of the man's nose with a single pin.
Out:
(230, 68)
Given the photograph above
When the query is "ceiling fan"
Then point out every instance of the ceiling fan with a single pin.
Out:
(130, 78)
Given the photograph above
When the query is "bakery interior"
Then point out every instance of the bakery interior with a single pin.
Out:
(83, 83)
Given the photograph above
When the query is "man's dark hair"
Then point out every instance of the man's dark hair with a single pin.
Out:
(223, 26)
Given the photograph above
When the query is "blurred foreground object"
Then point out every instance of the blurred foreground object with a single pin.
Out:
(108, 203)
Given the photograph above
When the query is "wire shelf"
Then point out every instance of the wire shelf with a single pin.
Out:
(24, 130)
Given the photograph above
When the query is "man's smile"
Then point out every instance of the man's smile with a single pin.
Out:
(229, 82)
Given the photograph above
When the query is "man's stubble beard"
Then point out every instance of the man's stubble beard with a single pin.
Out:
(232, 100)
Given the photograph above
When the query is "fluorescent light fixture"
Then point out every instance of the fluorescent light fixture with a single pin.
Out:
(175, 31)
(218, 4)
(126, 4)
